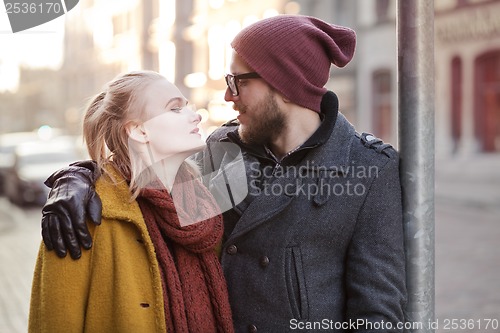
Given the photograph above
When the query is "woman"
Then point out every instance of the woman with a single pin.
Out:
(153, 266)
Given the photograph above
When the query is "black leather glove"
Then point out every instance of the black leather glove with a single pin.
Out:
(71, 201)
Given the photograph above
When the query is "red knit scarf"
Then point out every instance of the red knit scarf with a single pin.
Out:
(194, 288)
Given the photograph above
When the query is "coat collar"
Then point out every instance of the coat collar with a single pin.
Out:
(335, 152)
(116, 198)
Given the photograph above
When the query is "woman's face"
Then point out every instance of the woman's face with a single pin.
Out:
(171, 126)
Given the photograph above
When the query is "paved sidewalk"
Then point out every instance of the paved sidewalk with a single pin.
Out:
(467, 273)
(19, 242)
(472, 181)
(467, 237)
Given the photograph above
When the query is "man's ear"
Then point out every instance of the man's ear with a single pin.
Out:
(281, 98)
(136, 132)
(283, 101)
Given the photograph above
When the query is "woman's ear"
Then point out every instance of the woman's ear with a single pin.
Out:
(136, 132)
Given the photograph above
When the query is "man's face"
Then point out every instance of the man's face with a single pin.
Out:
(261, 119)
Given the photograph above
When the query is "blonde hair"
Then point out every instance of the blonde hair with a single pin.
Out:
(104, 124)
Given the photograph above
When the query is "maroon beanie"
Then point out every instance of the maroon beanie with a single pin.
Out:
(293, 54)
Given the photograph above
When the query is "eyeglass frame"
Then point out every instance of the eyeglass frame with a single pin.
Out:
(235, 79)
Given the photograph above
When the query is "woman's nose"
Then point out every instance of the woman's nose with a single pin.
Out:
(196, 117)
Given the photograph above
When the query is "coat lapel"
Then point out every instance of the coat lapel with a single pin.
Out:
(265, 206)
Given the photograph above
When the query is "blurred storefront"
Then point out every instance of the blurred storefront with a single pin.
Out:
(467, 72)
(468, 76)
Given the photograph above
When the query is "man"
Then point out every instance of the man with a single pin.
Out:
(318, 241)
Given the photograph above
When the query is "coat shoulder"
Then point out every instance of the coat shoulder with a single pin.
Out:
(373, 148)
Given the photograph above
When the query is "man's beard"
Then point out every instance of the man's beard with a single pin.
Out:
(266, 126)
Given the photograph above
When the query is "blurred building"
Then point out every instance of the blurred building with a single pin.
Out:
(376, 80)
(467, 37)
(467, 73)
(103, 39)
(37, 102)
(188, 41)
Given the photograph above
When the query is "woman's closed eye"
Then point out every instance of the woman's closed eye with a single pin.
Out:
(176, 109)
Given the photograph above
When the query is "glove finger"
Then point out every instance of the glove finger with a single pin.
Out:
(69, 237)
(94, 208)
(54, 230)
(83, 235)
(46, 233)
(76, 216)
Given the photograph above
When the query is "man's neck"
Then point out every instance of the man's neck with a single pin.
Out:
(301, 124)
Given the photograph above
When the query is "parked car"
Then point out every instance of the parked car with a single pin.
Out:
(8, 144)
(33, 163)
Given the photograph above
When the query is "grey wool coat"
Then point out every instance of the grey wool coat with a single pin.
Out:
(318, 241)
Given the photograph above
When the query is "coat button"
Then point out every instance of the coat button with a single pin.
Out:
(232, 249)
(264, 261)
(252, 328)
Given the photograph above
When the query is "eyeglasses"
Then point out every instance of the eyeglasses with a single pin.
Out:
(232, 81)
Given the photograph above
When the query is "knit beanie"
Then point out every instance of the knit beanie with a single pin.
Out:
(293, 53)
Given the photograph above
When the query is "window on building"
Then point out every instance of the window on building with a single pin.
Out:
(382, 10)
(487, 100)
(456, 102)
(382, 104)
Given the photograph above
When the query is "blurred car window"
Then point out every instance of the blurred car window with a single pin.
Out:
(9, 142)
(34, 162)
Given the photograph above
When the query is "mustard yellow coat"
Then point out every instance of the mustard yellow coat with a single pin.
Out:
(114, 287)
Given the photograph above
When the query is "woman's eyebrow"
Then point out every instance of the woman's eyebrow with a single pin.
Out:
(176, 99)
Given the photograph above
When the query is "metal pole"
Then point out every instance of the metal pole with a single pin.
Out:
(416, 144)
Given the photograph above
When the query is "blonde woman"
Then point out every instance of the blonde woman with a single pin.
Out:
(153, 265)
